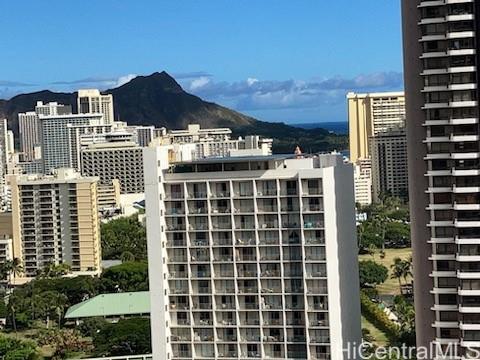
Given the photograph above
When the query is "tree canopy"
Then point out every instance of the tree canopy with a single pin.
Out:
(123, 236)
(371, 273)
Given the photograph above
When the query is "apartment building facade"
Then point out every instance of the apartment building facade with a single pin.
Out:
(246, 262)
(55, 220)
(91, 101)
(441, 78)
(388, 153)
(115, 160)
(372, 114)
(55, 138)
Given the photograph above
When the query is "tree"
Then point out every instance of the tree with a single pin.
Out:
(10, 268)
(127, 256)
(130, 276)
(13, 349)
(401, 269)
(123, 235)
(372, 274)
(91, 326)
(64, 342)
(127, 337)
(397, 234)
(52, 271)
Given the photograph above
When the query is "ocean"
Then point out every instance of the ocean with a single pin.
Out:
(340, 127)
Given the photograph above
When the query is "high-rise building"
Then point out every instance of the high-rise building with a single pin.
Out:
(29, 126)
(363, 182)
(245, 263)
(441, 85)
(372, 114)
(388, 153)
(145, 134)
(55, 220)
(115, 160)
(3, 155)
(55, 139)
(91, 101)
(29, 136)
(80, 136)
(6, 237)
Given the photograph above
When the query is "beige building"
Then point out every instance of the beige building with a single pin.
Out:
(6, 235)
(363, 182)
(108, 195)
(91, 101)
(370, 115)
(55, 220)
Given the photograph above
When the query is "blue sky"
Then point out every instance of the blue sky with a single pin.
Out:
(278, 60)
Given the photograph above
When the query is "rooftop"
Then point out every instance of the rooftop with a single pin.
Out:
(105, 305)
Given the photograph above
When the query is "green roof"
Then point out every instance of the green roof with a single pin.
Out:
(131, 303)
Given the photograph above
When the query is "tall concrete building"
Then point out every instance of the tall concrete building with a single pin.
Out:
(115, 160)
(363, 182)
(52, 109)
(29, 128)
(144, 135)
(55, 220)
(372, 114)
(29, 135)
(3, 155)
(388, 153)
(55, 138)
(245, 263)
(441, 79)
(91, 101)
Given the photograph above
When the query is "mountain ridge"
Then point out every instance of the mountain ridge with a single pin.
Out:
(159, 100)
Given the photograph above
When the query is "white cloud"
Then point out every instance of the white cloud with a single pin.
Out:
(122, 80)
(199, 83)
(255, 94)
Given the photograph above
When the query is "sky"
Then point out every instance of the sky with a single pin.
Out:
(278, 60)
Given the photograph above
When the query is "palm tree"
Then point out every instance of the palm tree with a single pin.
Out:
(407, 269)
(398, 271)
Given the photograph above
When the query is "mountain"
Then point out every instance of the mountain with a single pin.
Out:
(159, 100)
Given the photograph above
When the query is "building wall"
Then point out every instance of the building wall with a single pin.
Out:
(55, 220)
(370, 115)
(417, 168)
(29, 134)
(124, 163)
(251, 229)
(389, 165)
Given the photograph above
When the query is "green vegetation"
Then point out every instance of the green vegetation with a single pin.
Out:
(127, 337)
(387, 226)
(391, 285)
(130, 276)
(372, 274)
(124, 239)
(36, 311)
(377, 317)
(13, 349)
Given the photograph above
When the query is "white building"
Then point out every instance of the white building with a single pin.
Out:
(144, 135)
(217, 142)
(29, 135)
(3, 157)
(251, 257)
(91, 101)
(52, 109)
(363, 182)
(55, 137)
